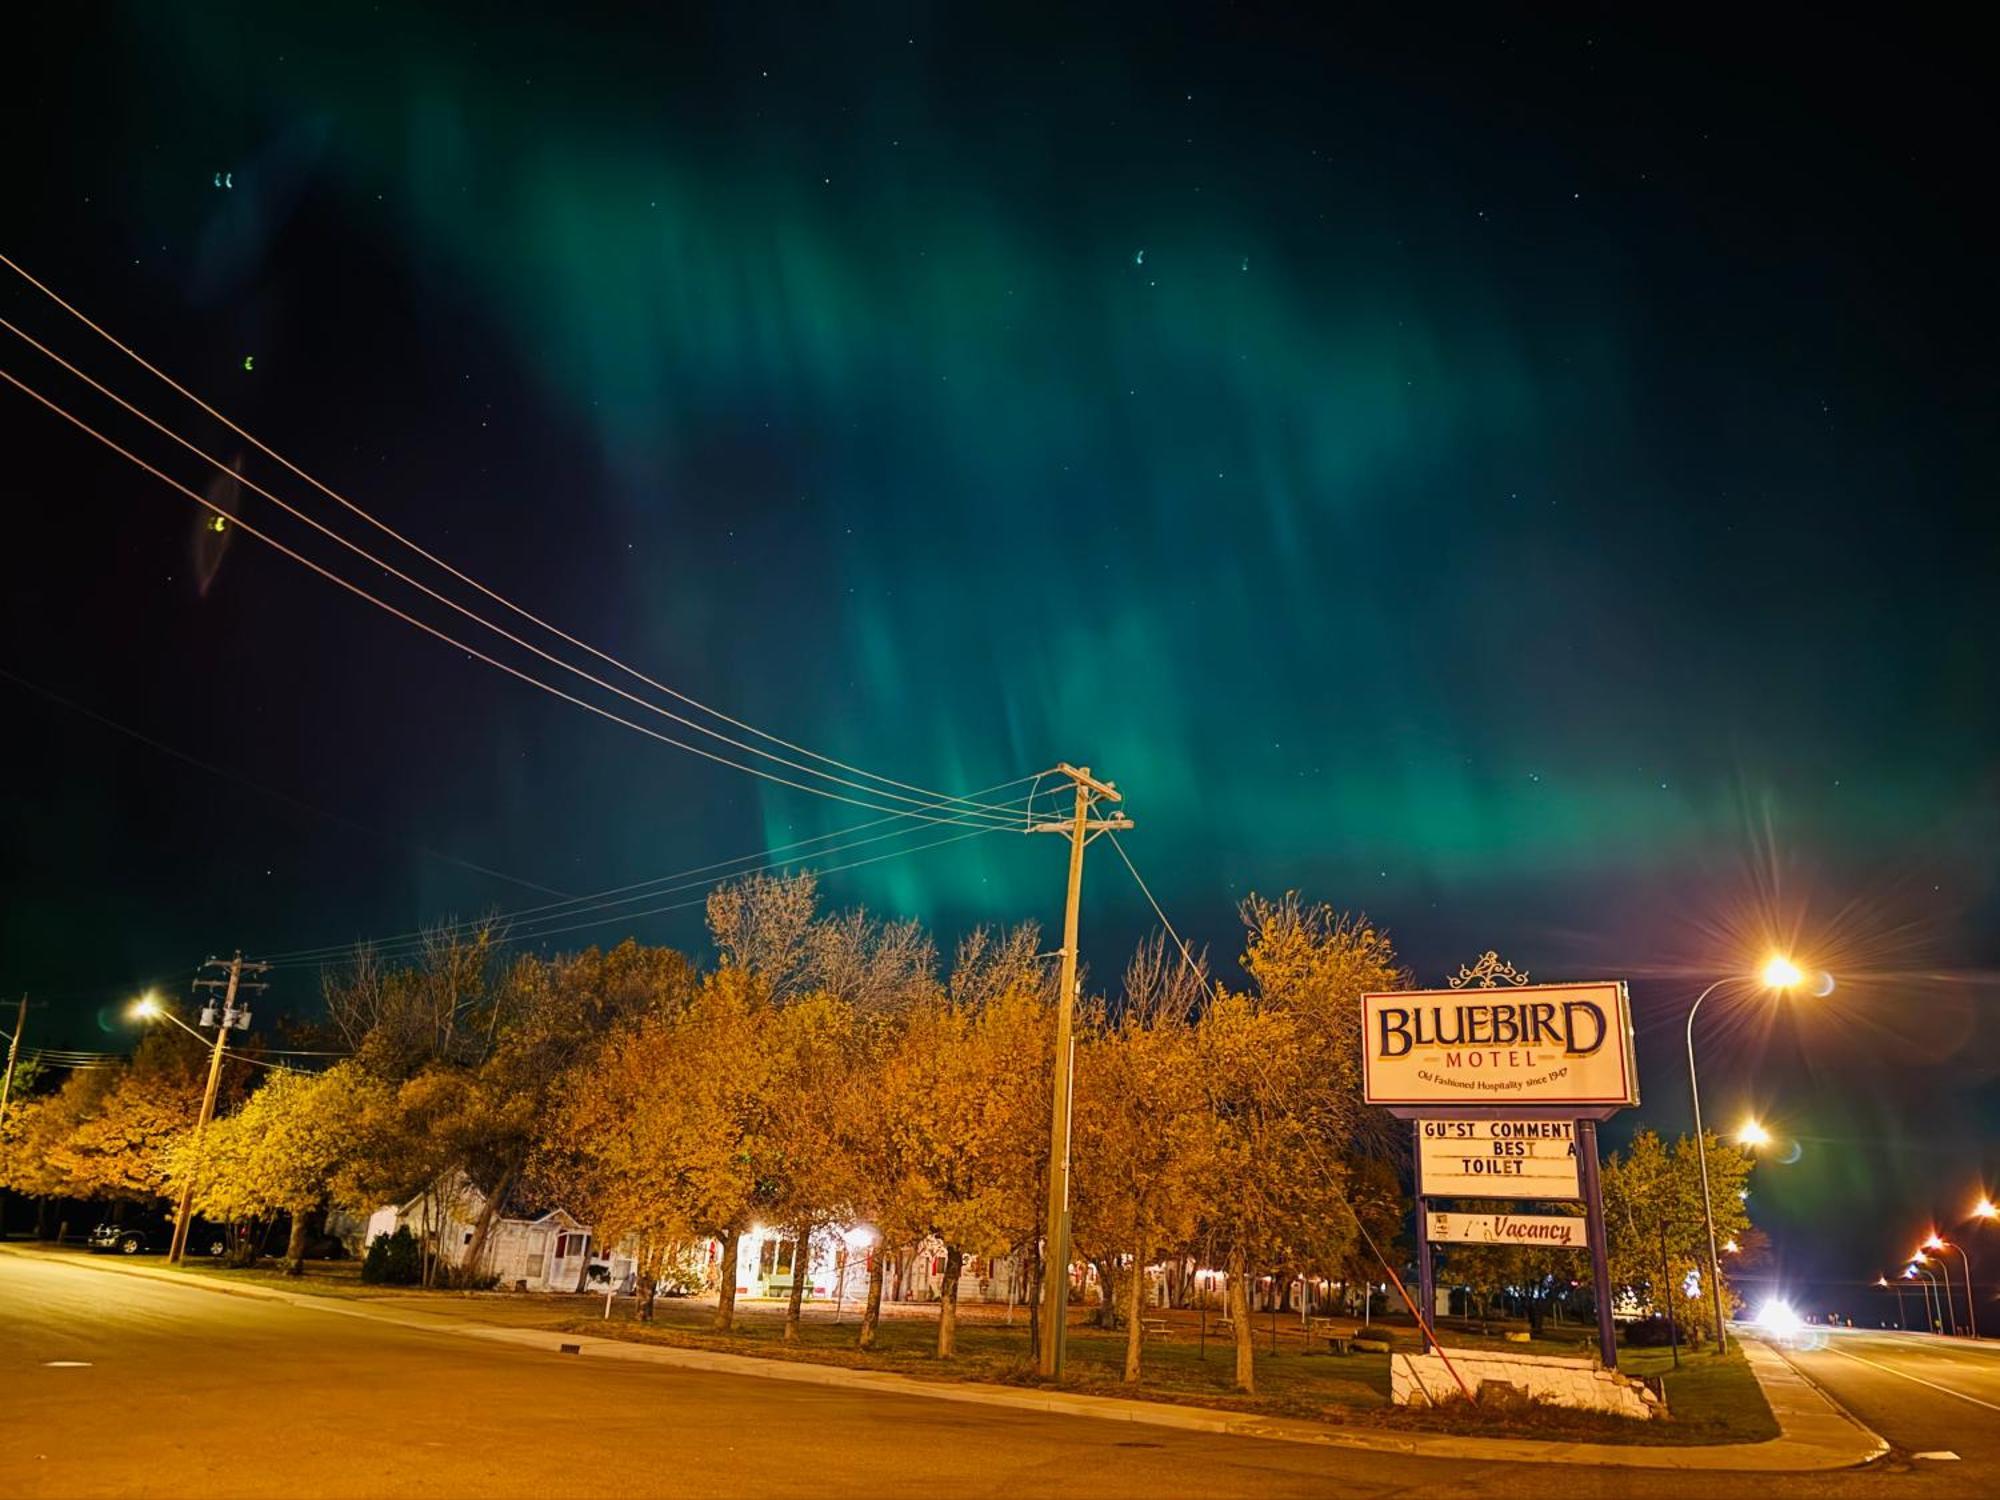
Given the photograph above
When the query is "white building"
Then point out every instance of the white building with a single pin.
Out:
(550, 1252)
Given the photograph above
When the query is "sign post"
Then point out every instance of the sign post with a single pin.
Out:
(1505, 1082)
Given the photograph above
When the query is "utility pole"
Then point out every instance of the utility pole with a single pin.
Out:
(230, 1018)
(13, 1052)
(1080, 828)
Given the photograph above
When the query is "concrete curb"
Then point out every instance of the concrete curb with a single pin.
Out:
(1815, 1433)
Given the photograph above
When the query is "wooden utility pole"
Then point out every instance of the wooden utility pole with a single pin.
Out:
(230, 1018)
(13, 1052)
(1080, 828)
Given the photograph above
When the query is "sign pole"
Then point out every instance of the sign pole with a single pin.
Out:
(1426, 1278)
(1600, 1252)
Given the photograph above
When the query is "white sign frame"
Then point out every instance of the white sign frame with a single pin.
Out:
(1551, 1231)
(1513, 1047)
(1519, 1159)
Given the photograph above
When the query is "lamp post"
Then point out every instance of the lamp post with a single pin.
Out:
(1778, 974)
(1930, 1296)
(1939, 1242)
(1922, 1257)
(1902, 1319)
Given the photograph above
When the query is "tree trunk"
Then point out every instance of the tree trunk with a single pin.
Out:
(1133, 1296)
(1239, 1318)
(801, 1259)
(725, 1286)
(1034, 1297)
(954, 1263)
(872, 1313)
(295, 1247)
(489, 1209)
(1107, 1294)
(646, 1279)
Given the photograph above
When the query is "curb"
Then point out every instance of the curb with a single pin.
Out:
(1815, 1433)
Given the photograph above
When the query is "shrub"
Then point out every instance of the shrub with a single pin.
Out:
(392, 1259)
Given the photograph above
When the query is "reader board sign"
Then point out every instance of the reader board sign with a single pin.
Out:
(1536, 1044)
(1497, 1159)
(1557, 1231)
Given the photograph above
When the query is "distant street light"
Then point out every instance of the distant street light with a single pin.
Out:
(1902, 1319)
(1938, 1242)
(1922, 1256)
(1781, 974)
(1930, 1295)
(1985, 1209)
(1752, 1134)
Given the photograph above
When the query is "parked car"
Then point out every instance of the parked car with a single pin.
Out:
(155, 1232)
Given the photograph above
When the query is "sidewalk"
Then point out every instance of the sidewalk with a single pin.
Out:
(1815, 1434)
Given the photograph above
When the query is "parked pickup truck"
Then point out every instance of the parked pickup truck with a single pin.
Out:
(149, 1232)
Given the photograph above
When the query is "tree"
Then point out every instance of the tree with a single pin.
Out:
(965, 1098)
(549, 1014)
(1141, 1129)
(1650, 1191)
(667, 1128)
(280, 1152)
(119, 1131)
(811, 1046)
(1314, 963)
(1272, 1191)
(884, 973)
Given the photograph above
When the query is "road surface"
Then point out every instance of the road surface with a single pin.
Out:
(113, 1384)
(1924, 1394)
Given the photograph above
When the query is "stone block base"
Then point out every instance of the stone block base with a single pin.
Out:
(1423, 1380)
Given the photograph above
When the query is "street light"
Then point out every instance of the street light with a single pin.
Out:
(1781, 974)
(1902, 1319)
(1938, 1242)
(1752, 1134)
(146, 1007)
(1985, 1209)
(1922, 1256)
(1913, 1271)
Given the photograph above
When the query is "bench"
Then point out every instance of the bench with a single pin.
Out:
(1339, 1333)
(1153, 1328)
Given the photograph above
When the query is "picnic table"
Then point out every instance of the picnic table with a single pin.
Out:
(1153, 1328)
(1339, 1333)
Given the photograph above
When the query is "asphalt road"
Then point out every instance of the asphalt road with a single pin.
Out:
(1924, 1394)
(119, 1385)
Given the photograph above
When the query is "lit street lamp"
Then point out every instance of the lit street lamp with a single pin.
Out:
(1779, 974)
(1752, 1134)
(1922, 1257)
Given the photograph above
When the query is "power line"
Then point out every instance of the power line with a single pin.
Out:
(660, 885)
(473, 615)
(450, 640)
(1146, 891)
(511, 939)
(382, 526)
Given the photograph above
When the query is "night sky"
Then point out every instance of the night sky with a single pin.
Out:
(1527, 479)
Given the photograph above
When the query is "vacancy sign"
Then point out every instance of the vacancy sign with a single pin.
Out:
(1556, 1231)
(1530, 1044)
(1497, 1159)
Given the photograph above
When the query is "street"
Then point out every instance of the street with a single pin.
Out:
(114, 1384)
(1925, 1394)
